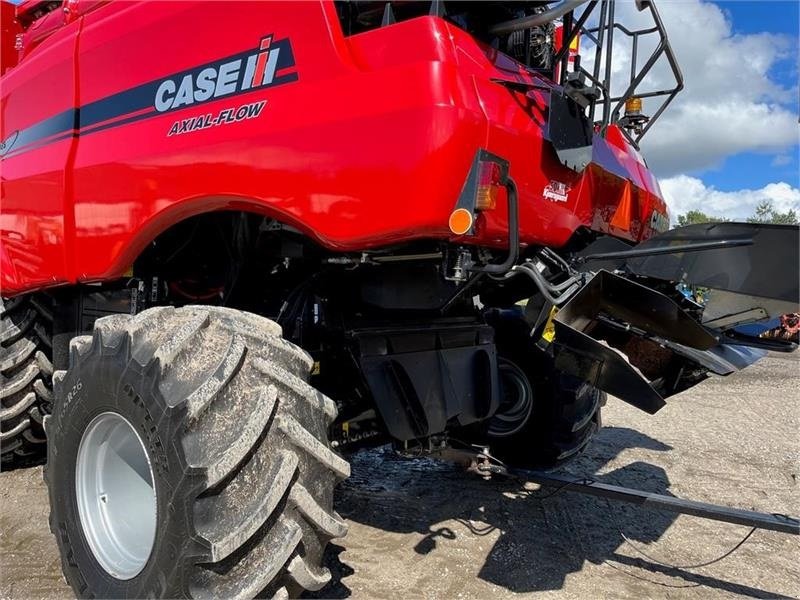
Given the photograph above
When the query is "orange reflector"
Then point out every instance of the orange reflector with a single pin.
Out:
(460, 221)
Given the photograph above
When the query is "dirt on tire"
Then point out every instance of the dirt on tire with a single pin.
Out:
(237, 447)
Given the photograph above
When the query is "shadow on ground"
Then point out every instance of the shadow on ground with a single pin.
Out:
(542, 535)
(23, 462)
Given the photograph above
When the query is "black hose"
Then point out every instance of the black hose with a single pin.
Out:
(559, 287)
(543, 285)
(551, 293)
(535, 19)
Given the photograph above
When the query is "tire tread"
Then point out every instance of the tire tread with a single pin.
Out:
(251, 428)
(25, 379)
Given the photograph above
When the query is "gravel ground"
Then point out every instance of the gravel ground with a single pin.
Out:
(422, 529)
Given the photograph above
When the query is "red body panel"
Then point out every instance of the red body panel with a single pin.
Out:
(369, 146)
(35, 199)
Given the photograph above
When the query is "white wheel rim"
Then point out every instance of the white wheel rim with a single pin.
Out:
(116, 495)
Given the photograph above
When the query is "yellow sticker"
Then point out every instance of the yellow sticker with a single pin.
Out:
(549, 333)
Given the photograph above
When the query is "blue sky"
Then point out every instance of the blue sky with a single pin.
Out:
(750, 169)
(781, 16)
(730, 140)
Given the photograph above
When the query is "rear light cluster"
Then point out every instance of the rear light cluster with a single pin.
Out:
(488, 175)
(489, 184)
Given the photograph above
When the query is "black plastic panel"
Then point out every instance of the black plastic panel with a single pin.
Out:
(424, 381)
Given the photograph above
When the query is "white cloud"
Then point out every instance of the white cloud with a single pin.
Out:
(781, 160)
(684, 193)
(729, 104)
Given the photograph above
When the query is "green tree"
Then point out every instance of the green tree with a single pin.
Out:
(766, 213)
(695, 216)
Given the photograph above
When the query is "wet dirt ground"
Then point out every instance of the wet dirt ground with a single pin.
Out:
(423, 529)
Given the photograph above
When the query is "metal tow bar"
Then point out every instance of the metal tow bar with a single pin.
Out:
(715, 512)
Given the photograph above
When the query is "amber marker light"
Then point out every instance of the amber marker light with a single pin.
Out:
(460, 221)
(488, 186)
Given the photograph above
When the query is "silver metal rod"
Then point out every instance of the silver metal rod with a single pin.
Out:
(662, 502)
(610, 47)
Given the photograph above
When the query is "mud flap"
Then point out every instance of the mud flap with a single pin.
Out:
(570, 131)
(637, 344)
(424, 379)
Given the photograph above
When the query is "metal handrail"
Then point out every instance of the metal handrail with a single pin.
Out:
(603, 37)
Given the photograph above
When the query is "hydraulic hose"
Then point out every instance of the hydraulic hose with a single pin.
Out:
(557, 288)
(537, 19)
(548, 291)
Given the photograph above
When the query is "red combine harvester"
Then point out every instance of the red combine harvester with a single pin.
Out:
(242, 239)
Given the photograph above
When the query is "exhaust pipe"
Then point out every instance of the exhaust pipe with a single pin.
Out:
(538, 19)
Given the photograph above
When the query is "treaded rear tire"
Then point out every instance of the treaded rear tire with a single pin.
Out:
(237, 442)
(25, 380)
(566, 409)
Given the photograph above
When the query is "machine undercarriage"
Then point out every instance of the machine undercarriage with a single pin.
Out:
(405, 338)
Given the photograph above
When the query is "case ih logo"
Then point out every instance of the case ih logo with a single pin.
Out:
(229, 76)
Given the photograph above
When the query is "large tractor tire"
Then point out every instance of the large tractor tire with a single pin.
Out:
(188, 457)
(546, 417)
(25, 380)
